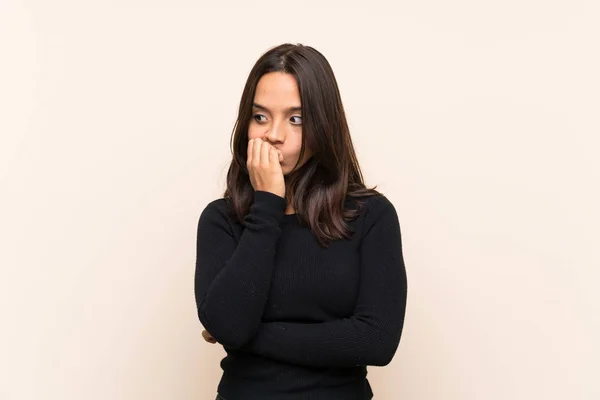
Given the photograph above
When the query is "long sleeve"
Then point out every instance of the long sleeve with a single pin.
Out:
(232, 279)
(371, 335)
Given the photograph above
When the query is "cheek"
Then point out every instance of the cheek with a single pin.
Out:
(253, 132)
(294, 143)
(294, 150)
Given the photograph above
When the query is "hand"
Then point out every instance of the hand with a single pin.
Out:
(208, 337)
(264, 167)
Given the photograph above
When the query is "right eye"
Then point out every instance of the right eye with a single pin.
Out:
(257, 116)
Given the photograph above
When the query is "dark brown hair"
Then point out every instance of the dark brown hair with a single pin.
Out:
(320, 189)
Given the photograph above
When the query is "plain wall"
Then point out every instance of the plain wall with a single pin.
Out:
(479, 120)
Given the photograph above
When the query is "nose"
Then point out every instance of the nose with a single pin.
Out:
(275, 133)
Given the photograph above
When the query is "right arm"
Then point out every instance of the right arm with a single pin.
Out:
(232, 279)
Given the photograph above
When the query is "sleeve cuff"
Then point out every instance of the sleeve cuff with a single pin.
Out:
(268, 205)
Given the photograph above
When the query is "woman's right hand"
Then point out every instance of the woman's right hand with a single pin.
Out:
(264, 167)
(208, 337)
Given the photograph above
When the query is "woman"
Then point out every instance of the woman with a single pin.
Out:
(299, 269)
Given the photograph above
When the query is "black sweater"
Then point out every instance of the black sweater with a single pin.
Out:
(299, 321)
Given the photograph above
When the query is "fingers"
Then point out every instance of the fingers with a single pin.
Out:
(207, 336)
(257, 147)
(265, 151)
(250, 152)
(259, 153)
(264, 168)
(275, 156)
(254, 150)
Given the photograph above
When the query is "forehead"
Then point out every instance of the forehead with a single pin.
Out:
(277, 90)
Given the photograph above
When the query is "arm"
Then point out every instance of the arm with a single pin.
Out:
(232, 279)
(372, 334)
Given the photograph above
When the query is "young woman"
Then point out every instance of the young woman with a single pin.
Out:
(299, 269)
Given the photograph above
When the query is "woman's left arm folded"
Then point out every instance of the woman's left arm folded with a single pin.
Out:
(372, 334)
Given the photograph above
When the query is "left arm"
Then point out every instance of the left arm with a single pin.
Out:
(372, 334)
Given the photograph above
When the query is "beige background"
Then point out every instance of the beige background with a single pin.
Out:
(478, 119)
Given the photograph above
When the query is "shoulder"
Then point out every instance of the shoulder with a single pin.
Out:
(378, 202)
(215, 213)
(219, 205)
(378, 210)
(373, 206)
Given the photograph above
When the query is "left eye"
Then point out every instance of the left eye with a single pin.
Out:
(299, 120)
(257, 117)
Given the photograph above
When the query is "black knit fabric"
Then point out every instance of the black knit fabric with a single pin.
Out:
(299, 321)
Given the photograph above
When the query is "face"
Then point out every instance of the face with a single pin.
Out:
(277, 119)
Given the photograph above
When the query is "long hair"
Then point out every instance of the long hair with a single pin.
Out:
(321, 188)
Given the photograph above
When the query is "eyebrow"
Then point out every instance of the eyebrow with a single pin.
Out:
(290, 109)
